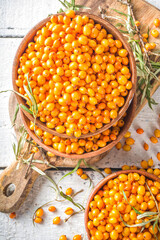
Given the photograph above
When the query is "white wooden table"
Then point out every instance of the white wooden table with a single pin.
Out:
(16, 18)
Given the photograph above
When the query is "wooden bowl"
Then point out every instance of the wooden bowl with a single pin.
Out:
(104, 181)
(111, 29)
(100, 152)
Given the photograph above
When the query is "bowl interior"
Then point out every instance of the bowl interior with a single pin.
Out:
(111, 29)
(104, 181)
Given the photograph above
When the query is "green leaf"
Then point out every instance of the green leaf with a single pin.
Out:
(146, 214)
(71, 200)
(26, 109)
(93, 168)
(14, 148)
(46, 176)
(154, 225)
(15, 114)
(123, 31)
(73, 3)
(119, 25)
(153, 198)
(132, 21)
(81, 6)
(117, 11)
(75, 169)
(125, 197)
(21, 143)
(63, 3)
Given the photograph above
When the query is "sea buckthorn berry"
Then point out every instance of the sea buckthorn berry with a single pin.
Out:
(157, 133)
(156, 22)
(130, 141)
(69, 211)
(12, 215)
(153, 139)
(146, 146)
(154, 33)
(39, 212)
(77, 237)
(38, 219)
(107, 170)
(158, 156)
(137, 23)
(150, 162)
(140, 130)
(56, 220)
(119, 145)
(63, 237)
(84, 176)
(144, 164)
(126, 147)
(52, 209)
(127, 134)
(69, 191)
(75, 66)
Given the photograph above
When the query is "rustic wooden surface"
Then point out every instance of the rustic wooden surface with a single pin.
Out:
(16, 18)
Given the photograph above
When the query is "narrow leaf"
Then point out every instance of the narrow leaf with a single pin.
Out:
(93, 168)
(75, 169)
(26, 109)
(146, 214)
(124, 14)
(71, 200)
(15, 114)
(125, 197)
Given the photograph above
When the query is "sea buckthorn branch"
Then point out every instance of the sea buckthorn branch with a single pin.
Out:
(153, 216)
(147, 69)
(71, 6)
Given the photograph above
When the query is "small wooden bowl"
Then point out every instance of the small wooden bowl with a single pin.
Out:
(103, 182)
(111, 29)
(100, 152)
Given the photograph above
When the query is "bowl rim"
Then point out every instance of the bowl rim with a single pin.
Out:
(109, 27)
(104, 181)
(85, 155)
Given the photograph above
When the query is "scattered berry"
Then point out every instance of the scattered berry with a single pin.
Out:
(12, 215)
(140, 131)
(52, 209)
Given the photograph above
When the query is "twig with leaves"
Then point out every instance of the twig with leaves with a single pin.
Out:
(71, 6)
(154, 217)
(147, 69)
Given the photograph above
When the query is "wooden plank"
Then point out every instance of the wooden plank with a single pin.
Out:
(17, 24)
(22, 227)
(26, 14)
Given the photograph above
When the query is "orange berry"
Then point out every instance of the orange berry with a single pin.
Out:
(63, 237)
(158, 156)
(153, 139)
(69, 191)
(38, 220)
(84, 176)
(79, 171)
(146, 146)
(77, 237)
(69, 211)
(154, 33)
(140, 131)
(56, 220)
(12, 215)
(52, 209)
(137, 23)
(39, 212)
